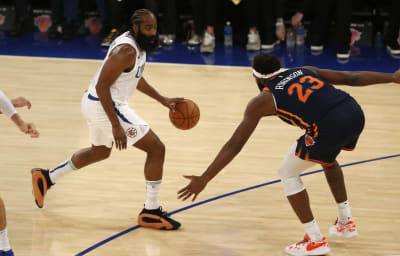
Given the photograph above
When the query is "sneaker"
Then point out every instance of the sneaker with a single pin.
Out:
(343, 52)
(393, 48)
(347, 230)
(55, 31)
(157, 219)
(6, 253)
(168, 39)
(269, 45)
(253, 41)
(308, 247)
(317, 47)
(195, 39)
(111, 36)
(40, 184)
(208, 44)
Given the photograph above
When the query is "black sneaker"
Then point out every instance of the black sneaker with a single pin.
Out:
(40, 184)
(393, 47)
(55, 31)
(157, 219)
(343, 52)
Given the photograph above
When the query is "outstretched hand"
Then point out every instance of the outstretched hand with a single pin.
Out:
(30, 129)
(196, 185)
(21, 102)
(171, 102)
(396, 76)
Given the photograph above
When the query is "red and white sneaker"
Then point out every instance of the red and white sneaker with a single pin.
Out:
(308, 247)
(347, 230)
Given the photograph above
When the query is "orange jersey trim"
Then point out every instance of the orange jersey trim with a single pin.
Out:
(266, 89)
(348, 149)
(295, 116)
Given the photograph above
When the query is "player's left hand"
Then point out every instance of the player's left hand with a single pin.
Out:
(396, 76)
(21, 102)
(171, 102)
(196, 185)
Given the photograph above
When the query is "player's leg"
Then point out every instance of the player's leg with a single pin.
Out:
(290, 169)
(43, 179)
(5, 248)
(152, 215)
(344, 226)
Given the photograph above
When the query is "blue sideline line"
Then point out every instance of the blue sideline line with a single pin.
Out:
(219, 197)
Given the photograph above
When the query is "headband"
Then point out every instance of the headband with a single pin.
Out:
(259, 75)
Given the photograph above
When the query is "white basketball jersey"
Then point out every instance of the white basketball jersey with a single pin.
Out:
(124, 87)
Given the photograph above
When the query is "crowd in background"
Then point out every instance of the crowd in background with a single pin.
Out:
(256, 24)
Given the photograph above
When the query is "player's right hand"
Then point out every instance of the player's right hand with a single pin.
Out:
(119, 137)
(30, 129)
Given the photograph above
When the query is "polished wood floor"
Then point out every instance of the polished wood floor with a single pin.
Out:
(104, 199)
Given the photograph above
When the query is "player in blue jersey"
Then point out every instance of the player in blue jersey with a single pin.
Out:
(332, 121)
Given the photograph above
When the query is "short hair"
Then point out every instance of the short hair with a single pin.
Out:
(265, 63)
(137, 17)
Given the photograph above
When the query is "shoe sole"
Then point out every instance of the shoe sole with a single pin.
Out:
(37, 177)
(322, 251)
(160, 224)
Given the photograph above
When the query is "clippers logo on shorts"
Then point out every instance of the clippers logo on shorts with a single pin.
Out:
(309, 140)
(131, 132)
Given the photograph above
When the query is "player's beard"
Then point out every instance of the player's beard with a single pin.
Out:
(147, 43)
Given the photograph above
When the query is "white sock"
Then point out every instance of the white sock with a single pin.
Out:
(344, 215)
(4, 243)
(62, 169)
(312, 230)
(152, 194)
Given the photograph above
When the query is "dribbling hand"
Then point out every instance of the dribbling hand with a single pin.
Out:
(119, 137)
(196, 185)
(171, 102)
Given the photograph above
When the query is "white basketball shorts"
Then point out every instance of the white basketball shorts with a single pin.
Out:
(100, 126)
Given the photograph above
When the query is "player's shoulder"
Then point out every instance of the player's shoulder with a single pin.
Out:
(124, 51)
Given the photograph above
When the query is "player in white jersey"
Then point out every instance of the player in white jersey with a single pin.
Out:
(110, 119)
(7, 107)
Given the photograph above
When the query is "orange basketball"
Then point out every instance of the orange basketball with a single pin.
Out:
(185, 115)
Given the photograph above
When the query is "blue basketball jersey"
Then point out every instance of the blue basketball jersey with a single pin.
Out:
(302, 98)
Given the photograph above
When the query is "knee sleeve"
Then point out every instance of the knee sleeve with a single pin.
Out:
(290, 171)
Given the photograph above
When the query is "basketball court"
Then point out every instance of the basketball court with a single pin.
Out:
(93, 211)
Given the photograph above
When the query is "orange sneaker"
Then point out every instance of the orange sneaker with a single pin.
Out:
(348, 230)
(157, 219)
(308, 247)
(40, 184)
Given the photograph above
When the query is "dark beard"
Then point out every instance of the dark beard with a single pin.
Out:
(260, 86)
(147, 43)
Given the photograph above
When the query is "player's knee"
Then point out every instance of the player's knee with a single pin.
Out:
(102, 154)
(291, 181)
(159, 148)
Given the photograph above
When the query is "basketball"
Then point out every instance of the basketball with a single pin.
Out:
(185, 115)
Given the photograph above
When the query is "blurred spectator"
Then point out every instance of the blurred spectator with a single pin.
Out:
(121, 11)
(271, 25)
(205, 18)
(105, 15)
(392, 33)
(169, 18)
(21, 17)
(65, 19)
(320, 23)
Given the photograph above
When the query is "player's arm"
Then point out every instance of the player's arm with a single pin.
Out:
(7, 107)
(147, 89)
(121, 58)
(355, 78)
(260, 106)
